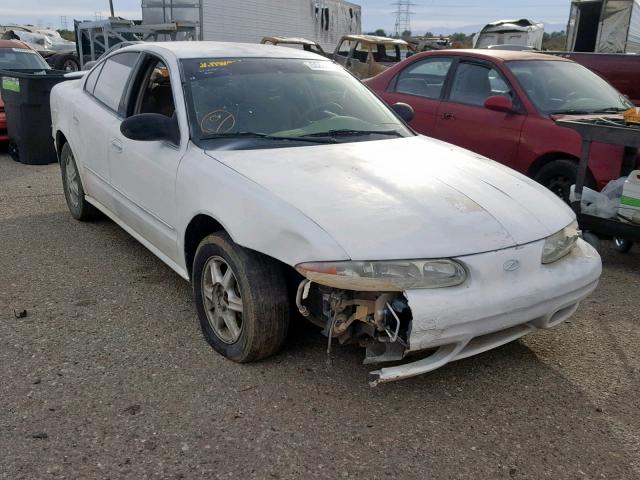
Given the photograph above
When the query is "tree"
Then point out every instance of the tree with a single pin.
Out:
(554, 41)
(381, 33)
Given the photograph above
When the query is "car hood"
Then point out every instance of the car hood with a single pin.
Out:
(405, 198)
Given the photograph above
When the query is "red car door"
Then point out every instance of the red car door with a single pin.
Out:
(463, 120)
(421, 85)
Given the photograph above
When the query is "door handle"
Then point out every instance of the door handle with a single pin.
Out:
(75, 119)
(448, 116)
(116, 146)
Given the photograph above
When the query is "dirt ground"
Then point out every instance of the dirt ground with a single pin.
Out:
(108, 377)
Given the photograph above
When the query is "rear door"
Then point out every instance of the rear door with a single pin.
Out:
(463, 120)
(98, 111)
(421, 85)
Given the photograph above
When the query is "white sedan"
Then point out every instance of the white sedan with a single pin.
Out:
(277, 183)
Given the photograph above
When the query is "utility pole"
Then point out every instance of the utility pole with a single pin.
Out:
(111, 8)
(403, 16)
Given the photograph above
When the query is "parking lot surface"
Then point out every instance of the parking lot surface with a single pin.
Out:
(108, 376)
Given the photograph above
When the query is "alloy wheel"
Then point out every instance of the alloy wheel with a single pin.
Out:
(72, 179)
(222, 300)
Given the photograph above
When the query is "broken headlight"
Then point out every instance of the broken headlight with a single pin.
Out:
(385, 276)
(560, 244)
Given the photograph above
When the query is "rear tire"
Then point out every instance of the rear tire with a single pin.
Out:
(592, 240)
(65, 61)
(241, 299)
(72, 184)
(559, 175)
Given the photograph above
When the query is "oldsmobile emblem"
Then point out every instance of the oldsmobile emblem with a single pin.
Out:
(511, 265)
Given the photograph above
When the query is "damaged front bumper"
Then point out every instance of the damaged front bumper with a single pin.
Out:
(508, 294)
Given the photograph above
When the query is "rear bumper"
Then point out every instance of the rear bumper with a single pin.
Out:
(495, 306)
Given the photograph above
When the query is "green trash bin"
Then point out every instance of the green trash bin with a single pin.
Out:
(26, 103)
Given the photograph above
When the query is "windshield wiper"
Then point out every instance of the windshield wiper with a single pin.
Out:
(611, 110)
(589, 112)
(352, 133)
(266, 136)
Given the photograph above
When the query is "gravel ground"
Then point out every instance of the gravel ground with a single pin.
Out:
(108, 376)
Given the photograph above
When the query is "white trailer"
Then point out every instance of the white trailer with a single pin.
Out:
(323, 21)
(604, 26)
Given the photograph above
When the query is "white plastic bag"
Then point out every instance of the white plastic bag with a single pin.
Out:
(601, 204)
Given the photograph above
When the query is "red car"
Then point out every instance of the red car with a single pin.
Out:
(16, 55)
(502, 105)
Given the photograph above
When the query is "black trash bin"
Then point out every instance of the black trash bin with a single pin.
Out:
(26, 103)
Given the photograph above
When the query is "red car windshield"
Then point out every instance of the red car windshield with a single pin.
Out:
(566, 88)
(21, 59)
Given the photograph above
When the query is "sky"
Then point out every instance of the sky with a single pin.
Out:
(437, 16)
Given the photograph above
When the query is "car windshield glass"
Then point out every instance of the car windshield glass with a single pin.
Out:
(21, 59)
(266, 100)
(566, 87)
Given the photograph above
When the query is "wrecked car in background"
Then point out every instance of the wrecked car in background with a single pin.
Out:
(295, 42)
(58, 52)
(523, 32)
(268, 181)
(367, 55)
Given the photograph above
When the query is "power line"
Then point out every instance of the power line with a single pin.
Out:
(403, 16)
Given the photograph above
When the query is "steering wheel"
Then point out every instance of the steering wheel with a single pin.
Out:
(322, 111)
(217, 121)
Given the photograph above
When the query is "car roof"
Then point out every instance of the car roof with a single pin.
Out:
(497, 55)
(297, 40)
(13, 44)
(189, 49)
(374, 39)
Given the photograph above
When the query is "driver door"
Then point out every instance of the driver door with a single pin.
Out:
(143, 173)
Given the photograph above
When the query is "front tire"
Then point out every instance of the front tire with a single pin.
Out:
(241, 299)
(72, 184)
(559, 175)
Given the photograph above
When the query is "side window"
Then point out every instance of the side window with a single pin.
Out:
(362, 51)
(90, 84)
(154, 93)
(424, 78)
(345, 48)
(113, 79)
(474, 83)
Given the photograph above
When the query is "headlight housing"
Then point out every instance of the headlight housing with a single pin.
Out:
(560, 244)
(385, 276)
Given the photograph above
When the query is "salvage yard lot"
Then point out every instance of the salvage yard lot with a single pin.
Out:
(108, 376)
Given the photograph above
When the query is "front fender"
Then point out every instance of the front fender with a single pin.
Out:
(251, 215)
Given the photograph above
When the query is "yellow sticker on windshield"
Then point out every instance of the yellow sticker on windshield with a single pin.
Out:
(219, 63)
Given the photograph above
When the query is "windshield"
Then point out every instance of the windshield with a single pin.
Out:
(21, 59)
(566, 87)
(266, 100)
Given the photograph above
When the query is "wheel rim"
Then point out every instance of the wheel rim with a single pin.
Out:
(69, 66)
(222, 300)
(72, 180)
(560, 185)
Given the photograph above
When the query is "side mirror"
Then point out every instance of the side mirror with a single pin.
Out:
(148, 127)
(404, 111)
(499, 103)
